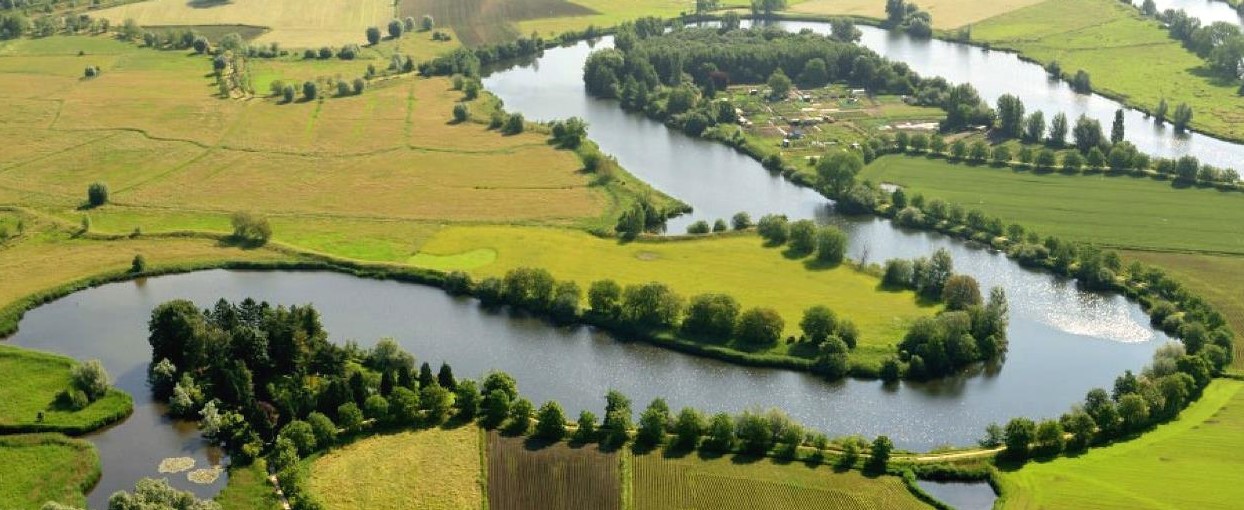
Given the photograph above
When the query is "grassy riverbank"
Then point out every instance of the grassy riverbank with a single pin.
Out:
(32, 380)
(1128, 56)
(1188, 463)
(46, 467)
(1192, 233)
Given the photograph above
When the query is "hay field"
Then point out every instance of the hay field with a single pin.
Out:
(553, 477)
(947, 14)
(388, 163)
(728, 483)
(478, 22)
(435, 469)
(1192, 462)
(737, 265)
(292, 23)
(1127, 56)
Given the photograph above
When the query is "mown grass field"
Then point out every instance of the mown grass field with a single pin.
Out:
(39, 468)
(728, 483)
(736, 265)
(554, 477)
(293, 24)
(1192, 462)
(436, 469)
(1126, 55)
(1164, 224)
(612, 12)
(366, 176)
(947, 14)
(248, 489)
(1120, 211)
(31, 381)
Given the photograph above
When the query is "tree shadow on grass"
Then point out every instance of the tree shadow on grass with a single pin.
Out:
(816, 264)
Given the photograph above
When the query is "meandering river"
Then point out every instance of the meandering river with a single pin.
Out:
(1063, 341)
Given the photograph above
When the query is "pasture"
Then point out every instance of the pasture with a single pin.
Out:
(46, 467)
(1127, 56)
(32, 381)
(435, 469)
(553, 477)
(293, 24)
(1192, 462)
(947, 14)
(729, 483)
(739, 265)
(1118, 211)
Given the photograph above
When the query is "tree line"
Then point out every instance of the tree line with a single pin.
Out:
(1220, 44)
(908, 17)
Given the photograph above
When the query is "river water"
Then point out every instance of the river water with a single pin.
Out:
(1208, 11)
(1063, 341)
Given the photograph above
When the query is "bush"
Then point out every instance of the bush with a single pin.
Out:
(741, 221)
(552, 422)
(251, 228)
(760, 326)
(139, 264)
(91, 379)
(97, 194)
(461, 112)
(310, 90)
(698, 228)
(774, 228)
(514, 124)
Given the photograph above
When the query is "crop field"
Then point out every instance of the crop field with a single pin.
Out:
(728, 483)
(1097, 208)
(947, 14)
(553, 477)
(613, 12)
(45, 467)
(1192, 462)
(293, 24)
(1126, 55)
(32, 380)
(479, 22)
(435, 469)
(737, 265)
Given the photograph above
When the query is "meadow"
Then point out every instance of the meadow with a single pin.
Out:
(433, 469)
(1192, 462)
(550, 477)
(947, 14)
(46, 467)
(248, 489)
(1128, 57)
(739, 265)
(293, 24)
(32, 381)
(731, 482)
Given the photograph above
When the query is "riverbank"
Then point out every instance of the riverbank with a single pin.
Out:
(39, 468)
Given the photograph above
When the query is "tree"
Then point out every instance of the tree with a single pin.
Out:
(653, 423)
(741, 221)
(358, 85)
(1081, 82)
(1046, 159)
(1001, 155)
(1182, 116)
(1049, 437)
(404, 406)
(617, 422)
(287, 93)
(818, 323)
(767, 7)
(802, 237)
(1020, 433)
(720, 433)
(698, 228)
(836, 172)
(301, 435)
(1010, 116)
(1072, 161)
(467, 399)
(1117, 128)
(774, 228)
(711, 316)
(97, 194)
(831, 245)
(779, 84)
(994, 436)
(514, 124)
(1159, 113)
(815, 74)
(1133, 411)
(520, 416)
(586, 430)
(1095, 159)
(373, 35)
(427, 23)
(1087, 134)
(651, 306)
(496, 407)
(90, 378)
(1034, 127)
(1058, 131)
(879, 454)
(139, 264)
(959, 150)
(759, 326)
(979, 151)
(551, 424)
(720, 226)
(395, 29)
(961, 292)
(1081, 427)
(688, 428)
(310, 90)
(605, 298)
(445, 377)
(157, 494)
(376, 408)
(349, 416)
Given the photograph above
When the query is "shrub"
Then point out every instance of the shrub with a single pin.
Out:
(310, 90)
(139, 264)
(97, 194)
(461, 112)
(760, 326)
(698, 228)
(552, 422)
(514, 124)
(741, 221)
(91, 379)
(251, 228)
(774, 228)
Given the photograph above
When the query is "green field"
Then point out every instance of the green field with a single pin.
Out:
(333, 22)
(728, 483)
(436, 469)
(32, 380)
(736, 265)
(1192, 462)
(1127, 56)
(45, 467)
(248, 489)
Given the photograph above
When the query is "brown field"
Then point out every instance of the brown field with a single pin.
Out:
(479, 22)
(727, 483)
(946, 13)
(293, 24)
(435, 469)
(550, 478)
